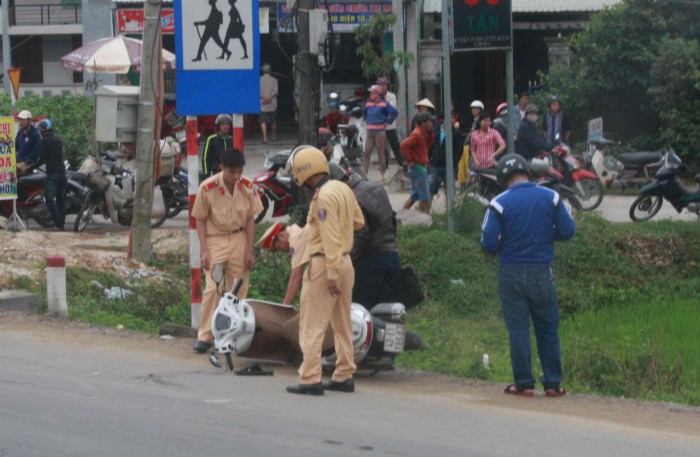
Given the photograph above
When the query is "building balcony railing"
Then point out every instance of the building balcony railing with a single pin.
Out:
(46, 14)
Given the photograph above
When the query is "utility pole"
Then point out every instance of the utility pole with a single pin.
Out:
(447, 111)
(6, 50)
(142, 248)
(400, 90)
(305, 70)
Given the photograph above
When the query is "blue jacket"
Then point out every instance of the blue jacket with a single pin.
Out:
(530, 141)
(522, 224)
(28, 146)
(378, 113)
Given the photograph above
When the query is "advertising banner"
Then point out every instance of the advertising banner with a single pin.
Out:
(343, 17)
(130, 20)
(8, 172)
(482, 24)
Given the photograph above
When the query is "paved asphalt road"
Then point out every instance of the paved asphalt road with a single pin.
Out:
(75, 396)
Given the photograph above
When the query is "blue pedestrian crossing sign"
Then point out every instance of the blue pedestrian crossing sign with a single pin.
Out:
(218, 60)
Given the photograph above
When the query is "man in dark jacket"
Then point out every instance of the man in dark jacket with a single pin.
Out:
(530, 142)
(217, 144)
(438, 160)
(55, 186)
(374, 252)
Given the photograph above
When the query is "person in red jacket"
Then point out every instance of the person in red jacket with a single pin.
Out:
(415, 151)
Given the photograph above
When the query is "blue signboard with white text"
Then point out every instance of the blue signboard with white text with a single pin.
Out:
(218, 59)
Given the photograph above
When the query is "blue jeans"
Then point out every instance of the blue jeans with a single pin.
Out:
(54, 192)
(374, 277)
(530, 293)
(419, 184)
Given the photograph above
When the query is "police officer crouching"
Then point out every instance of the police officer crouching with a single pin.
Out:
(225, 209)
(326, 292)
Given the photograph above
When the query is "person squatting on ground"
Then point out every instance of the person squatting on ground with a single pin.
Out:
(486, 144)
(225, 208)
(326, 292)
(294, 240)
(375, 251)
(391, 137)
(529, 142)
(27, 141)
(268, 103)
(378, 113)
(55, 187)
(415, 150)
(521, 226)
(216, 145)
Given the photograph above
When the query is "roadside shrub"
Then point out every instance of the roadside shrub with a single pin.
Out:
(72, 117)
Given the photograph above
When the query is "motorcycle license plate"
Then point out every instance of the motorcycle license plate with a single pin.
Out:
(394, 337)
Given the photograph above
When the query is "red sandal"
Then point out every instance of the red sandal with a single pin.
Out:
(525, 390)
(554, 391)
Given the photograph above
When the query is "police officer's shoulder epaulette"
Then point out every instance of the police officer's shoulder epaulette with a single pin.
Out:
(246, 182)
(210, 185)
(316, 194)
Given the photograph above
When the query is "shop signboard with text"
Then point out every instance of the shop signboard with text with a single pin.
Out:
(130, 20)
(482, 25)
(343, 17)
(8, 172)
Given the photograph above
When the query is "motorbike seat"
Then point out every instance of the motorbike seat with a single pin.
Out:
(486, 171)
(77, 176)
(33, 179)
(639, 158)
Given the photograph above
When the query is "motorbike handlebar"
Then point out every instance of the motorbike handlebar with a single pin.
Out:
(237, 286)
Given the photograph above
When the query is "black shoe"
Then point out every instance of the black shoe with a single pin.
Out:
(309, 389)
(228, 54)
(196, 59)
(346, 386)
(201, 346)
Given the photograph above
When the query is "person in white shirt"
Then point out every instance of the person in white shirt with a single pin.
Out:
(268, 103)
(391, 136)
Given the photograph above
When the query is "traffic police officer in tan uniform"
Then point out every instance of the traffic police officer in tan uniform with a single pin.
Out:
(225, 208)
(326, 291)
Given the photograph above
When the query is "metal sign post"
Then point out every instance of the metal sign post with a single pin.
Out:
(447, 109)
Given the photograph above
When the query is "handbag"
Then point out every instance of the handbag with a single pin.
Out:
(407, 289)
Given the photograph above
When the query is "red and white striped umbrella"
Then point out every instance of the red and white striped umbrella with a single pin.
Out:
(111, 55)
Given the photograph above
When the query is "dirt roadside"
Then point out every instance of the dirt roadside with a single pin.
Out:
(641, 416)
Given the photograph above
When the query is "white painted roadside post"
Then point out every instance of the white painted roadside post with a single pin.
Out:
(56, 285)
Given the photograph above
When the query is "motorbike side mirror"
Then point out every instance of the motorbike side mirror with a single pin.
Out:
(217, 273)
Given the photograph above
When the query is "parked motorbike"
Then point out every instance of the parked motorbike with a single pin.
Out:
(667, 186)
(630, 169)
(485, 186)
(30, 200)
(272, 186)
(347, 151)
(589, 189)
(259, 329)
(110, 194)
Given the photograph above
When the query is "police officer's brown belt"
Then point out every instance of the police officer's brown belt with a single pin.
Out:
(240, 229)
(321, 254)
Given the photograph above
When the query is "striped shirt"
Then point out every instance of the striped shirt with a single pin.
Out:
(483, 146)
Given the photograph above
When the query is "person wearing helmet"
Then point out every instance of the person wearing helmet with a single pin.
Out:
(391, 137)
(326, 292)
(529, 142)
(416, 152)
(521, 226)
(27, 141)
(334, 117)
(378, 113)
(476, 108)
(224, 210)
(268, 103)
(556, 123)
(55, 186)
(216, 145)
(500, 124)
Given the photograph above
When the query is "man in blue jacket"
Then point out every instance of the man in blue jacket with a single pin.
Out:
(521, 226)
(27, 141)
(378, 114)
(529, 142)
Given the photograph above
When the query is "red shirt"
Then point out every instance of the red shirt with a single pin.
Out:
(416, 147)
(333, 119)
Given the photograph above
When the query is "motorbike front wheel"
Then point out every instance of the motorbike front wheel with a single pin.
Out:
(571, 202)
(84, 217)
(266, 204)
(590, 192)
(645, 207)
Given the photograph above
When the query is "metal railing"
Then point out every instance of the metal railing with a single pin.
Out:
(47, 14)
